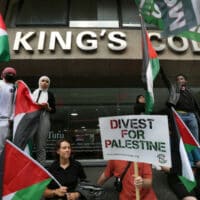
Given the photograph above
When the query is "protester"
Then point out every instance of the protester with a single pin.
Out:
(184, 102)
(130, 182)
(139, 107)
(67, 171)
(46, 99)
(7, 92)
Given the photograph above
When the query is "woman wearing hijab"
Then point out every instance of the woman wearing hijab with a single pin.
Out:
(46, 99)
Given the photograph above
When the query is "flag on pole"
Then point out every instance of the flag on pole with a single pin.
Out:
(151, 68)
(187, 143)
(23, 177)
(4, 44)
(26, 116)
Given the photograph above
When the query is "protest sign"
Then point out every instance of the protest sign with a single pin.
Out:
(139, 138)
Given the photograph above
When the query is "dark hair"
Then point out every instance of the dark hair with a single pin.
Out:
(138, 97)
(58, 143)
(57, 147)
(185, 77)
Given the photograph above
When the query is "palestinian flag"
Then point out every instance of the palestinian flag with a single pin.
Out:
(4, 44)
(151, 68)
(26, 180)
(26, 116)
(187, 143)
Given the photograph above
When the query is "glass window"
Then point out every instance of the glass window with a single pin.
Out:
(129, 14)
(78, 110)
(45, 12)
(94, 13)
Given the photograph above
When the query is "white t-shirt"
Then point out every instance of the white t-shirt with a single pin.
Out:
(6, 99)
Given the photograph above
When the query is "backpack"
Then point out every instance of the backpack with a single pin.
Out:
(90, 191)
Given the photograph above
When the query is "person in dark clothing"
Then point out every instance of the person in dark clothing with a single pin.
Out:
(46, 99)
(139, 107)
(68, 173)
(184, 102)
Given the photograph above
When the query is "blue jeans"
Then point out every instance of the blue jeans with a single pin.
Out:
(191, 122)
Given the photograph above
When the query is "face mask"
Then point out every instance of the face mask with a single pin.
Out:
(10, 78)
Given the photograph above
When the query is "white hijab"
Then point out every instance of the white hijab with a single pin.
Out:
(43, 98)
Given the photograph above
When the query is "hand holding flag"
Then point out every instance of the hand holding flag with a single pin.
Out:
(26, 116)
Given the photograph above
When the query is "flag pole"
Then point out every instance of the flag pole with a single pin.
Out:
(137, 191)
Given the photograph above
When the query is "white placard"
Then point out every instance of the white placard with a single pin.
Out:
(139, 138)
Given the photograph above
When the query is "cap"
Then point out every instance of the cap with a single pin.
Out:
(8, 70)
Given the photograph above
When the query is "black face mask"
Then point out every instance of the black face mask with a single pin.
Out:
(10, 78)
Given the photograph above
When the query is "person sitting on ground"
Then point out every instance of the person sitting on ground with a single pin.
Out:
(68, 173)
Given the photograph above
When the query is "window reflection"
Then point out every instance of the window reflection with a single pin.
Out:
(83, 129)
(45, 12)
(94, 13)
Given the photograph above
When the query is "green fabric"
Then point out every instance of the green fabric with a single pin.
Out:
(32, 193)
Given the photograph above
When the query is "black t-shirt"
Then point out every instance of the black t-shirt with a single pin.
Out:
(139, 108)
(68, 177)
(186, 101)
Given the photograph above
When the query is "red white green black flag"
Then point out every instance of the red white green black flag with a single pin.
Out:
(187, 143)
(4, 44)
(151, 68)
(23, 177)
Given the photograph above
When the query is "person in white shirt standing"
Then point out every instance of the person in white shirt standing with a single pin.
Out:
(7, 92)
(46, 100)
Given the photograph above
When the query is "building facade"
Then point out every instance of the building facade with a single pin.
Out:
(92, 52)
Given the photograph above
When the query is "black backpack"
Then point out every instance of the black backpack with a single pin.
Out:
(90, 191)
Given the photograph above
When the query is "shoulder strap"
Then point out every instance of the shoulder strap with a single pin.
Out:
(38, 97)
(125, 170)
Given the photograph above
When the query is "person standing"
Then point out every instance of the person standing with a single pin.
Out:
(46, 99)
(130, 182)
(139, 107)
(183, 100)
(7, 92)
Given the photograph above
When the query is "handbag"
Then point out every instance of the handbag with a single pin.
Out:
(118, 180)
(90, 191)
